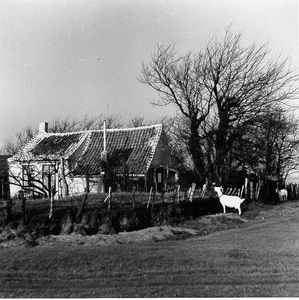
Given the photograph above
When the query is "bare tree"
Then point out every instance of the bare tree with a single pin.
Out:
(21, 138)
(217, 92)
(86, 123)
(178, 82)
(286, 144)
(244, 82)
(138, 121)
(13, 144)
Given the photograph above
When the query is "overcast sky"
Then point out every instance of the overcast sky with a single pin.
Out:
(65, 58)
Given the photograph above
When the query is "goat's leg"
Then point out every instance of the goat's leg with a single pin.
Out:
(223, 208)
(239, 209)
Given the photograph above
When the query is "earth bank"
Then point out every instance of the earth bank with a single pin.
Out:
(157, 222)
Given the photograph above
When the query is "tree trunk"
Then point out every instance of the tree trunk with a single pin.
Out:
(194, 145)
(221, 149)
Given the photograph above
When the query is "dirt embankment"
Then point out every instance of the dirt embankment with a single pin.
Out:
(160, 222)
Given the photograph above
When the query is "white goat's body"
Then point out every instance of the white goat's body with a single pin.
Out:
(283, 194)
(229, 201)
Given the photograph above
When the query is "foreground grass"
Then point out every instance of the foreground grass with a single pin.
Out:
(259, 260)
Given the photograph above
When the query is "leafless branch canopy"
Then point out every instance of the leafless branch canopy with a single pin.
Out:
(219, 91)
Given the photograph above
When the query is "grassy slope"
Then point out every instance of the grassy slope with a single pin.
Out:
(261, 259)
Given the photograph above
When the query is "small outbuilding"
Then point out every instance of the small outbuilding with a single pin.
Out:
(60, 164)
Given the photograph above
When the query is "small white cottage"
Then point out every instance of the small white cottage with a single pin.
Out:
(61, 164)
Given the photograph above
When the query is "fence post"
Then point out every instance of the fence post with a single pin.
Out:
(162, 195)
(109, 199)
(245, 188)
(228, 191)
(242, 189)
(251, 189)
(192, 192)
(149, 198)
(260, 188)
(133, 198)
(257, 191)
(51, 206)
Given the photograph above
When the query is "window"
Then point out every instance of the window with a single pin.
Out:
(27, 173)
(47, 172)
(159, 177)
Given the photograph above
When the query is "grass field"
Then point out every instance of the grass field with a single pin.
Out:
(260, 259)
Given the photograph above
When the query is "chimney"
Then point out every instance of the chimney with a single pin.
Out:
(43, 127)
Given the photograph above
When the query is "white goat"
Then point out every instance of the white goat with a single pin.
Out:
(283, 194)
(229, 201)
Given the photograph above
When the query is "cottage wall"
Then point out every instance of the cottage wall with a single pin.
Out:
(159, 175)
(162, 156)
(16, 176)
(78, 185)
(14, 189)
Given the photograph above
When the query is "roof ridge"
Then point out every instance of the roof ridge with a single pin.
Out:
(85, 136)
(155, 141)
(134, 128)
(27, 146)
(101, 130)
(87, 141)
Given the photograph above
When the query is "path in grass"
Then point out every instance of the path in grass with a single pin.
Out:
(260, 259)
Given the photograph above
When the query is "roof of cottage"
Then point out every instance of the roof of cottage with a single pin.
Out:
(50, 146)
(134, 147)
